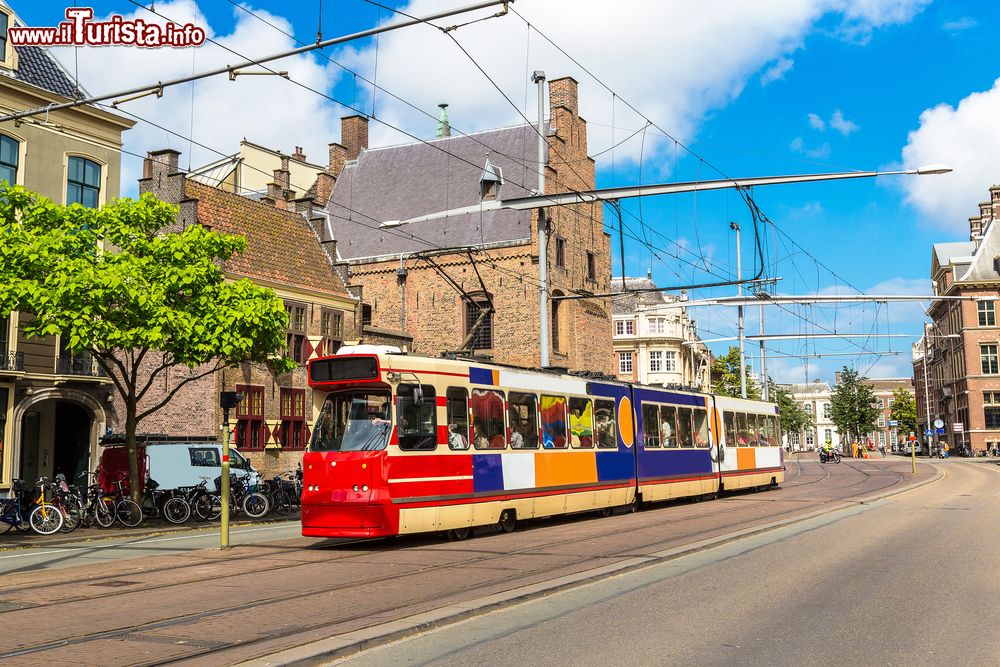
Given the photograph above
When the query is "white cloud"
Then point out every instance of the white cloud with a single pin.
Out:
(821, 152)
(959, 25)
(816, 122)
(797, 145)
(265, 109)
(966, 138)
(776, 71)
(841, 124)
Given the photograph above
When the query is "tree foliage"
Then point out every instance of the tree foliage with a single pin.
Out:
(726, 376)
(904, 409)
(139, 300)
(794, 418)
(852, 406)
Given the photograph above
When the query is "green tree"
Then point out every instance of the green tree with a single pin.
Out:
(904, 409)
(726, 376)
(852, 406)
(794, 418)
(141, 301)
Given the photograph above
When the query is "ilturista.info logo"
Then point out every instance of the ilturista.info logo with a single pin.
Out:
(79, 29)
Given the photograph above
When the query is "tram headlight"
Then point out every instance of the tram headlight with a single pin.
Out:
(355, 487)
(364, 487)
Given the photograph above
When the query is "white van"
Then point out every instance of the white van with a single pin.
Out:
(171, 463)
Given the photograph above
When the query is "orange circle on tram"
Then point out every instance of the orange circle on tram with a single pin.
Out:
(626, 423)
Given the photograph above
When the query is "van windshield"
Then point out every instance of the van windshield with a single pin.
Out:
(352, 422)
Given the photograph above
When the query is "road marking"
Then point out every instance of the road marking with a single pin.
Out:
(29, 552)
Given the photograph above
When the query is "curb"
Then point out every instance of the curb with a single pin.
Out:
(339, 646)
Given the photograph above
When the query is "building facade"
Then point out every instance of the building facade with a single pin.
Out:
(959, 349)
(53, 404)
(815, 399)
(655, 343)
(469, 282)
(885, 435)
(283, 253)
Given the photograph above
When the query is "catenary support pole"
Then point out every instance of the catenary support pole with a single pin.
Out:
(543, 256)
(735, 226)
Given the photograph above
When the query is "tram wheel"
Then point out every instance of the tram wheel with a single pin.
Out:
(508, 521)
(633, 506)
(459, 534)
(604, 511)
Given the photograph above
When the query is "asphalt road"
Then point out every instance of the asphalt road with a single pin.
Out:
(908, 581)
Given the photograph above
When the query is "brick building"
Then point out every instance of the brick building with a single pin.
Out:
(418, 279)
(283, 253)
(884, 388)
(963, 338)
(53, 402)
(654, 344)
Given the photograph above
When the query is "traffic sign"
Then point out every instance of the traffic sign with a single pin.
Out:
(893, 422)
(938, 423)
(958, 427)
(928, 433)
(940, 431)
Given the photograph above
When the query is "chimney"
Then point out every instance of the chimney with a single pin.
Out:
(563, 93)
(279, 193)
(324, 187)
(444, 127)
(298, 154)
(354, 135)
(162, 177)
(338, 156)
(836, 378)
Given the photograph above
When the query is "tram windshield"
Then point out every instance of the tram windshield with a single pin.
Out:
(352, 422)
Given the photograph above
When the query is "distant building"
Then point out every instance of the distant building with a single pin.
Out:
(53, 403)
(884, 388)
(250, 171)
(654, 344)
(814, 398)
(962, 360)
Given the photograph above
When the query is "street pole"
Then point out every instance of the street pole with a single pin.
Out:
(763, 357)
(227, 401)
(927, 403)
(543, 257)
(735, 226)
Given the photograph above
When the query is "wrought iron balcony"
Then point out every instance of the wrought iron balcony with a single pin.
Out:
(79, 364)
(12, 361)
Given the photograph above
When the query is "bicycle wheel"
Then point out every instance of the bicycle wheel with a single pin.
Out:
(176, 510)
(281, 502)
(104, 512)
(208, 507)
(72, 516)
(46, 519)
(255, 505)
(128, 512)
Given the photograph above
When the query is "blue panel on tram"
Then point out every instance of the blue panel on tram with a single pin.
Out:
(487, 473)
(615, 466)
(671, 462)
(480, 375)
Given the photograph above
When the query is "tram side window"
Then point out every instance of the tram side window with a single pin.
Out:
(554, 422)
(684, 436)
(729, 424)
(604, 411)
(668, 426)
(772, 434)
(752, 439)
(488, 419)
(777, 431)
(701, 437)
(416, 418)
(761, 439)
(581, 423)
(742, 435)
(651, 425)
(523, 421)
(458, 418)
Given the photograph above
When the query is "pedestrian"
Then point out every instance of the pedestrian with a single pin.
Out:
(881, 448)
(854, 449)
(944, 446)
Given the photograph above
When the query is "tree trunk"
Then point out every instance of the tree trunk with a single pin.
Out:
(131, 426)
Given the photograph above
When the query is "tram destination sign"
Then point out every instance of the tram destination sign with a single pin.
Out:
(339, 369)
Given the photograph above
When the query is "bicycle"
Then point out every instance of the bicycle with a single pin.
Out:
(12, 513)
(68, 501)
(167, 505)
(44, 518)
(127, 511)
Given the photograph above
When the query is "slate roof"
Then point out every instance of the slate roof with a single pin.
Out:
(37, 67)
(281, 247)
(946, 252)
(629, 303)
(400, 182)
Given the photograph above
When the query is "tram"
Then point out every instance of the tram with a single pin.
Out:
(406, 444)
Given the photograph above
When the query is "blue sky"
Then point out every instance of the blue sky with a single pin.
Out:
(778, 87)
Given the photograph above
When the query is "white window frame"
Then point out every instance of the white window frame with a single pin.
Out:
(828, 435)
(625, 363)
(655, 361)
(810, 437)
(670, 361)
(986, 311)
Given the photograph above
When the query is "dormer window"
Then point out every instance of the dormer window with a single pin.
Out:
(490, 181)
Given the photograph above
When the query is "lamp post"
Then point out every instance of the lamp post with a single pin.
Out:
(927, 397)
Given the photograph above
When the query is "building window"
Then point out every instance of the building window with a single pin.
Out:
(657, 325)
(794, 439)
(591, 266)
(881, 438)
(670, 362)
(8, 157)
(4, 343)
(83, 182)
(293, 418)
(250, 418)
(331, 324)
(826, 411)
(4, 24)
(827, 435)
(483, 340)
(988, 359)
(624, 327)
(810, 439)
(561, 252)
(808, 408)
(987, 315)
(555, 325)
(295, 336)
(366, 315)
(881, 421)
(655, 361)
(625, 363)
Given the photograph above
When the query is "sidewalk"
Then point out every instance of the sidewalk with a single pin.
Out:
(31, 540)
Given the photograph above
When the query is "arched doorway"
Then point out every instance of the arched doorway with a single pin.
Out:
(56, 431)
(72, 440)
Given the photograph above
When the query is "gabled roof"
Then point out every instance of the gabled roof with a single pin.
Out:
(400, 182)
(982, 266)
(281, 247)
(947, 253)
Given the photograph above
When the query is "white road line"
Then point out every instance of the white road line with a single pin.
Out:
(29, 552)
